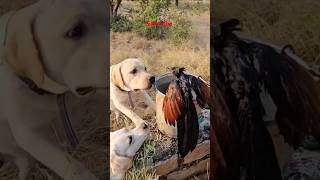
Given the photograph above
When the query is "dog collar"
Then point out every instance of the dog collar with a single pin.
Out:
(69, 131)
(33, 86)
(131, 104)
(130, 100)
(61, 102)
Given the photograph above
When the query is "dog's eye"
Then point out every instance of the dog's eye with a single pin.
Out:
(133, 71)
(145, 69)
(77, 31)
(130, 139)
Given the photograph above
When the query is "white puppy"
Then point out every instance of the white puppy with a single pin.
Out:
(124, 144)
(125, 77)
(48, 48)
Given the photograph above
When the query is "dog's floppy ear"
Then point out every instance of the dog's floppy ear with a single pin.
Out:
(22, 52)
(119, 164)
(117, 78)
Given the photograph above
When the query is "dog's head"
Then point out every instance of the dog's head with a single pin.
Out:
(60, 45)
(124, 144)
(131, 74)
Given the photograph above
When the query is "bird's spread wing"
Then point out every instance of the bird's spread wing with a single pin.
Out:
(178, 107)
(173, 104)
(296, 94)
(293, 88)
(201, 89)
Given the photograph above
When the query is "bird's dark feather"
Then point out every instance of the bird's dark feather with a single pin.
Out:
(225, 141)
(295, 93)
(242, 70)
(188, 128)
(201, 89)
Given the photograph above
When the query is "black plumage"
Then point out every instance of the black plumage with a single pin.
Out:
(179, 107)
(242, 71)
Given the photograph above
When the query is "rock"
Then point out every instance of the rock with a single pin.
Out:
(311, 143)
(165, 167)
(199, 152)
(304, 165)
(202, 166)
(171, 164)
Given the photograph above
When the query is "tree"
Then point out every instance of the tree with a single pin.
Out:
(114, 7)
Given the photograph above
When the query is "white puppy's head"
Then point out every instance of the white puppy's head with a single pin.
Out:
(60, 45)
(131, 74)
(124, 144)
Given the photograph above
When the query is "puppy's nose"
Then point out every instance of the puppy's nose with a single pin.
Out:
(152, 79)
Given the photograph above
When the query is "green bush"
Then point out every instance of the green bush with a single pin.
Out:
(151, 11)
(121, 24)
(160, 11)
(181, 29)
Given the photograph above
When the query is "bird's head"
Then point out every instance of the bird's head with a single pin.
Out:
(224, 30)
(177, 71)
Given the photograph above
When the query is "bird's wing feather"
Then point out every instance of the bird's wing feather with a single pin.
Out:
(201, 89)
(296, 93)
(173, 104)
(188, 128)
(225, 139)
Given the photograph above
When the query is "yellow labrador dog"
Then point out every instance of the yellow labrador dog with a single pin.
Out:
(48, 48)
(124, 144)
(126, 77)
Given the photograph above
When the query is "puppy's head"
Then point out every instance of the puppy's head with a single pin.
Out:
(60, 45)
(131, 74)
(124, 144)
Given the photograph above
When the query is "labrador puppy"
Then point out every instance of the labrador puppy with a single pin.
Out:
(124, 144)
(49, 48)
(126, 77)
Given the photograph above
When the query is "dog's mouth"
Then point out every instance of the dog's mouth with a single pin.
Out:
(84, 90)
(146, 88)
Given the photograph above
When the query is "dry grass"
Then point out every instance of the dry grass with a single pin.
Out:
(159, 55)
(282, 22)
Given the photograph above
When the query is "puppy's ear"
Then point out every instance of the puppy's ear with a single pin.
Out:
(117, 77)
(119, 164)
(22, 52)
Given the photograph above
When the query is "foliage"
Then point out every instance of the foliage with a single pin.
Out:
(121, 23)
(161, 11)
(151, 11)
(114, 7)
(141, 168)
(181, 29)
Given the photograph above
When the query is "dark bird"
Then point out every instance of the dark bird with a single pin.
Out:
(244, 74)
(178, 106)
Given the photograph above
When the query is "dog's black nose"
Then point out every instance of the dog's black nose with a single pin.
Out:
(152, 79)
